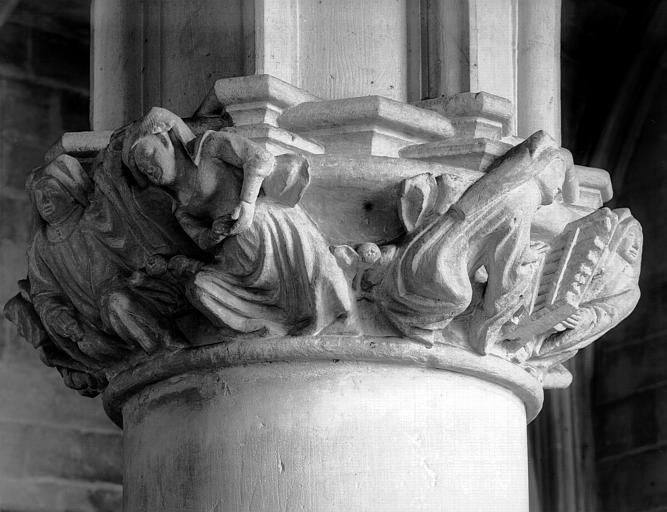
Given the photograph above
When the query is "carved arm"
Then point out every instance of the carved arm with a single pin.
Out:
(197, 230)
(256, 162)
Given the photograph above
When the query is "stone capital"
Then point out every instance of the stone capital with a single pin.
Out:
(259, 274)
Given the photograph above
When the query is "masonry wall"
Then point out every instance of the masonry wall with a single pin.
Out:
(58, 451)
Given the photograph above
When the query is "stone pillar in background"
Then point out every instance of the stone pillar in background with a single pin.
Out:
(166, 52)
(470, 45)
(381, 333)
(169, 53)
(538, 67)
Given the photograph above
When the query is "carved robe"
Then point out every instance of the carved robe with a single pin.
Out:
(612, 296)
(80, 268)
(70, 272)
(429, 283)
(279, 275)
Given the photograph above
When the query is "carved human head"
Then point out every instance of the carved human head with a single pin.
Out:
(155, 157)
(628, 239)
(369, 253)
(59, 188)
(153, 149)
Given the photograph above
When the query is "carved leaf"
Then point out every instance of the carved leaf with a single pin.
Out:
(288, 180)
(418, 197)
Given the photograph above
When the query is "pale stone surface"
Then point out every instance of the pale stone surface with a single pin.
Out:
(169, 53)
(368, 125)
(538, 68)
(326, 436)
(470, 47)
(475, 155)
(379, 27)
(254, 104)
(480, 121)
(294, 40)
(255, 99)
(79, 144)
(277, 140)
(355, 199)
(474, 114)
(595, 186)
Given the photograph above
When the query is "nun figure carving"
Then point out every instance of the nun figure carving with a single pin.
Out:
(93, 305)
(273, 272)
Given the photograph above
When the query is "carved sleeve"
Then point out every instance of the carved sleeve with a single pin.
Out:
(604, 313)
(256, 162)
(48, 298)
(196, 229)
(508, 270)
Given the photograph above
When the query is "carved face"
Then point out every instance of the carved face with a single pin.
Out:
(155, 157)
(369, 253)
(52, 201)
(630, 247)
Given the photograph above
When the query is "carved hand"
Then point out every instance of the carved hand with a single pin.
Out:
(577, 319)
(243, 214)
(83, 382)
(182, 266)
(221, 228)
(576, 325)
(67, 326)
(532, 254)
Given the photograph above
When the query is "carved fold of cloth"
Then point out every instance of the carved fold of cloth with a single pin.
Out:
(431, 280)
(430, 283)
(278, 277)
(84, 269)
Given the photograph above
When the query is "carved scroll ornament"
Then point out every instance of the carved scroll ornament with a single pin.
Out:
(178, 236)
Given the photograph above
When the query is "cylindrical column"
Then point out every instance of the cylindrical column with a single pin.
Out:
(538, 67)
(325, 437)
(222, 428)
(115, 94)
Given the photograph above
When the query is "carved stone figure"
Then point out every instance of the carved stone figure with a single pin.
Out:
(90, 300)
(609, 297)
(175, 220)
(430, 281)
(365, 265)
(273, 272)
(20, 311)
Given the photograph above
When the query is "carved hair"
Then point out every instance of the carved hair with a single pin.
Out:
(158, 120)
(161, 120)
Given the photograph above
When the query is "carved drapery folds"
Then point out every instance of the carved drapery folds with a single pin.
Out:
(185, 233)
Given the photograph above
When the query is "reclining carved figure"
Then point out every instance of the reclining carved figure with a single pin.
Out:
(273, 272)
(82, 291)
